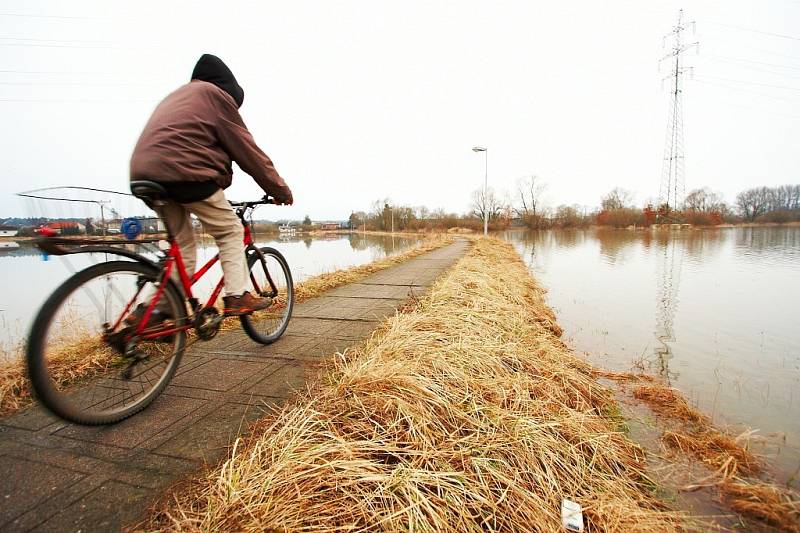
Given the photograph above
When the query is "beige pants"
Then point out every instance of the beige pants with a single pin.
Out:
(219, 221)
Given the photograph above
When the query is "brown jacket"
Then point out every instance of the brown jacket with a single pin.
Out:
(193, 135)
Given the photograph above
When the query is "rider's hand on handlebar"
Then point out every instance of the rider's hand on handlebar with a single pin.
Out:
(285, 198)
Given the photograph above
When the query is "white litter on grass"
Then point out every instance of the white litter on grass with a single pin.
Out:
(571, 516)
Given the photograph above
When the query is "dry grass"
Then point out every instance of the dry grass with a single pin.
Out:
(669, 402)
(460, 230)
(715, 449)
(734, 465)
(466, 413)
(621, 376)
(79, 359)
(698, 437)
(83, 357)
(768, 503)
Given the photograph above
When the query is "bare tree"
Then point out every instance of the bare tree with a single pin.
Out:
(438, 214)
(784, 198)
(377, 207)
(617, 198)
(753, 203)
(530, 190)
(703, 200)
(357, 218)
(567, 216)
(483, 203)
(793, 193)
(403, 217)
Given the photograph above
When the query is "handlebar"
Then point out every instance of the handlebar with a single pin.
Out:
(252, 203)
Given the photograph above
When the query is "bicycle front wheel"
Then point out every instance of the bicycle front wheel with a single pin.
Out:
(269, 277)
(84, 362)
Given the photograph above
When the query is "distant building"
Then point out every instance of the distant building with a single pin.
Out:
(327, 226)
(66, 227)
(8, 231)
(152, 225)
(114, 226)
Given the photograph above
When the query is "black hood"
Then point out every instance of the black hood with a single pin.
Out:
(210, 68)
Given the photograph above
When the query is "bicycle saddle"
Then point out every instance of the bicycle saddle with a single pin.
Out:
(150, 192)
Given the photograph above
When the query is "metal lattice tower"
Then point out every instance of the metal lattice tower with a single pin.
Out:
(673, 188)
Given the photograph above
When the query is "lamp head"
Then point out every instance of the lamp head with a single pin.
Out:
(478, 149)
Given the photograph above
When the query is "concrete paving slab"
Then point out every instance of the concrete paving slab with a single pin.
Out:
(26, 484)
(63, 477)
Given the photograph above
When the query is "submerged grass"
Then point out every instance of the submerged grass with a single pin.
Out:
(715, 449)
(734, 466)
(85, 357)
(466, 413)
(767, 503)
(669, 402)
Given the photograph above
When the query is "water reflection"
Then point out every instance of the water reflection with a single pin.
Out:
(670, 262)
(18, 249)
(715, 313)
(30, 279)
(614, 250)
(756, 241)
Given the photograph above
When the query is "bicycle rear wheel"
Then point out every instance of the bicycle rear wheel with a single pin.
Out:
(269, 276)
(85, 372)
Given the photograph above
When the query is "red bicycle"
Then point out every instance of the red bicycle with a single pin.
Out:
(96, 356)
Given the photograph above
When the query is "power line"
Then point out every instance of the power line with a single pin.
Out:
(790, 99)
(765, 70)
(62, 83)
(27, 15)
(763, 51)
(75, 101)
(38, 45)
(788, 56)
(785, 87)
(54, 40)
(753, 30)
(729, 58)
(50, 72)
(760, 110)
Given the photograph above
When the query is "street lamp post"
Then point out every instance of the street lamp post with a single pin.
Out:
(485, 186)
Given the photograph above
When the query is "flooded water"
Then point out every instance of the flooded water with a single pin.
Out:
(716, 313)
(29, 279)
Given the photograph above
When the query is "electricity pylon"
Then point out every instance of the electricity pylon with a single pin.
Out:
(673, 188)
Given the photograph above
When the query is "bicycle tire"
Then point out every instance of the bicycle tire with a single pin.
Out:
(41, 379)
(249, 322)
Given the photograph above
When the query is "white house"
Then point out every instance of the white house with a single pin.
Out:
(8, 231)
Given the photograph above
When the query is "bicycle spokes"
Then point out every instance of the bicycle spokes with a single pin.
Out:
(270, 277)
(93, 363)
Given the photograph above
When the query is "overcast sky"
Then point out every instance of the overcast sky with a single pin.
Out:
(359, 100)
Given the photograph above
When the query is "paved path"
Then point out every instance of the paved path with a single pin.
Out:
(63, 477)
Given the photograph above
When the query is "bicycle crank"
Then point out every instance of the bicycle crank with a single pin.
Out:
(207, 323)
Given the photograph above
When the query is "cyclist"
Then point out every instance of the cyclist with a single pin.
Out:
(187, 146)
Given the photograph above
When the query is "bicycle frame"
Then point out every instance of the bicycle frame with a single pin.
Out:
(174, 260)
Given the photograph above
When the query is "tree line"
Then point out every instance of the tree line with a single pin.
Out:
(525, 206)
(704, 207)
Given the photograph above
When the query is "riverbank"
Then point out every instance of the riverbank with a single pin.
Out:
(82, 359)
(465, 413)
(468, 413)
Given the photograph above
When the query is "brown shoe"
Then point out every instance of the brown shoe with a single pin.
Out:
(159, 315)
(245, 304)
